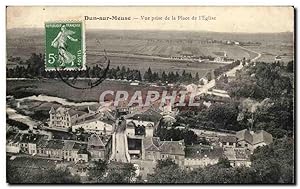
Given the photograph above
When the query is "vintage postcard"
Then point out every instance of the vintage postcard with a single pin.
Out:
(151, 95)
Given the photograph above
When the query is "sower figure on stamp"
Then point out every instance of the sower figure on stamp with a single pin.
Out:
(60, 42)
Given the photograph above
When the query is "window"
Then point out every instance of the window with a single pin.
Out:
(231, 143)
(246, 145)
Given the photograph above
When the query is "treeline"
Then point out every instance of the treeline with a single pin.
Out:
(36, 174)
(36, 69)
(173, 134)
(170, 77)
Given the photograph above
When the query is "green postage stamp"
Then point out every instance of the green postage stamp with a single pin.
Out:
(65, 45)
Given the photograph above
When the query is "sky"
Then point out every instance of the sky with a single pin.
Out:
(228, 19)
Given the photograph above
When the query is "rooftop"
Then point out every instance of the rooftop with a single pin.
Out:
(228, 138)
(254, 138)
(55, 144)
(148, 115)
(96, 141)
(172, 147)
(237, 154)
(262, 136)
(244, 135)
(203, 151)
(166, 147)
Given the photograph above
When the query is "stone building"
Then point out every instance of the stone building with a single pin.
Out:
(64, 117)
(154, 149)
(252, 140)
(99, 148)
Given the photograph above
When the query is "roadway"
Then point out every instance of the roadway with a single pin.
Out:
(120, 142)
(204, 88)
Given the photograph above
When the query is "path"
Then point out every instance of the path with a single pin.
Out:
(204, 88)
(255, 58)
(120, 142)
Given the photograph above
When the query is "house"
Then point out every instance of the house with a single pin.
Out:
(32, 143)
(64, 117)
(51, 149)
(150, 149)
(69, 153)
(173, 150)
(82, 155)
(23, 142)
(228, 141)
(41, 148)
(12, 143)
(252, 140)
(142, 124)
(99, 147)
(238, 156)
(244, 138)
(202, 155)
(153, 149)
(54, 149)
(261, 138)
(68, 150)
(102, 127)
(105, 111)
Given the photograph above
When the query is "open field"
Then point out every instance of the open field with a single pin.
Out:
(143, 49)
(57, 88)
(269, 52)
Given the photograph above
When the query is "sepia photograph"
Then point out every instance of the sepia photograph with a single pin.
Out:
(150, 95)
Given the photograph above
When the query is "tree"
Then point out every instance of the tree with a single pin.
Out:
(121, 175)
(167, 171)
(139, 76)
(275, 163)
(97, 171)
(224, 162)
(168, 174)
(165, 163)
(164, 76)
(21, 175)
(290, 66)
(197, 78)
(173, 134)
(223, 115)
(148, 75)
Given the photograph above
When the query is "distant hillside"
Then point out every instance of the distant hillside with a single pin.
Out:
(285, 37)
(157, 49)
